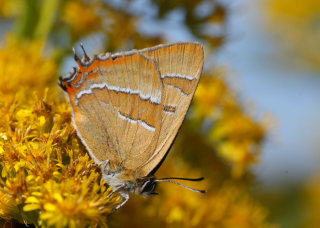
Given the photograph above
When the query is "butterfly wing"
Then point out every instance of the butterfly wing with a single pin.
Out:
(128, 107)
(180, 67)
(117, 108)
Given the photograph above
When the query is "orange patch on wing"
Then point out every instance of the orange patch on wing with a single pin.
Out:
(71, 90)
(93, 75)
(98, 63)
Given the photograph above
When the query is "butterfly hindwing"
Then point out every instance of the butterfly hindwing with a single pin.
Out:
(180, 67)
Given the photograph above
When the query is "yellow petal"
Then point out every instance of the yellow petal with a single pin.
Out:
(31, 207)
(42, 120)
(30, 178)
(32, 199)
(50, 207)
(23, 113)
(46, 215)
(58, 197)
(37, 194)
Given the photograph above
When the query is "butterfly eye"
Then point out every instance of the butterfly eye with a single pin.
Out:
(148, 188)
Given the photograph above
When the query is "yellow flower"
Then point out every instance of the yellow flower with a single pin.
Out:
(238, 140)
(236, 137)
(292, 24)
(239, 154)
(9, 8)
(73, 202)
(313, 202)
(225, 204)
(23, 66)
(45, 169)
(8, 206)
(82, 17)
(309, 9)
(209, 95)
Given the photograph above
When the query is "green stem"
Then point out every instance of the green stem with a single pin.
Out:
(46, 18)
(27, 19)
(36, 18)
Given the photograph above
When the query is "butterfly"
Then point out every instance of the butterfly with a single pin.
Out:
(128, 108)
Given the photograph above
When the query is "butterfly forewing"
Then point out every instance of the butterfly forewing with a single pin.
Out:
(117, 109)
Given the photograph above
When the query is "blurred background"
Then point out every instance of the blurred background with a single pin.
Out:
(252, 130)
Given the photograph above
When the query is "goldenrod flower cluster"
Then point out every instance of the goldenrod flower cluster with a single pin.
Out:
(235, 135)
(83, 17)
(23, 67)
(313, 203)
(47, 178)
(293, 25)
(225, 204)
(9, 9)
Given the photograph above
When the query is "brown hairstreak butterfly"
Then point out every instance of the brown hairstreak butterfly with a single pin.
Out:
(128, 108)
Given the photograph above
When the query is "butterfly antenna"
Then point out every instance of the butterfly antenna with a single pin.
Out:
(86, 57)
(182, 178)
(182, 185)
(76, 58)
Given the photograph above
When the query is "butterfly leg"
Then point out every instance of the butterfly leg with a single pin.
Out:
(125, 196)
(116, 189)
(95, 165)
(104, 164)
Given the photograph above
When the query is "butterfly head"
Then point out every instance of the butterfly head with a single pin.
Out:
(147, 188)
(124, 181)
(121, 182)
